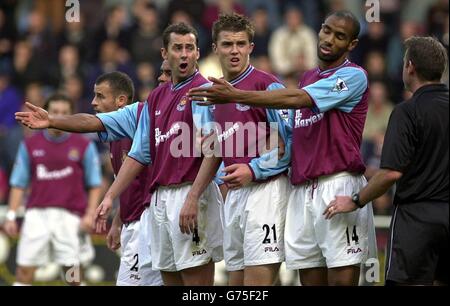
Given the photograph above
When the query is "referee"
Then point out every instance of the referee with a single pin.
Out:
(415, 156)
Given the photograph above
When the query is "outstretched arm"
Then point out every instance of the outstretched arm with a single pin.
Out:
(38, 118)
(224, 92)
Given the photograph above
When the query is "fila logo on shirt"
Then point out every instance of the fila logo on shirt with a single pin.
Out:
(157, 113)
(340, 86)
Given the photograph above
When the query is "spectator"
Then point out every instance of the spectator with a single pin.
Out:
(292, 47)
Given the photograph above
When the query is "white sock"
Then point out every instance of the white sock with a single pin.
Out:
(20, 284)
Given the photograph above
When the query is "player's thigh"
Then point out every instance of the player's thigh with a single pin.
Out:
(65, 240)
(34, 243)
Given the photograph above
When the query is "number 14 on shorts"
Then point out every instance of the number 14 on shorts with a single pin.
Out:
(354, 236)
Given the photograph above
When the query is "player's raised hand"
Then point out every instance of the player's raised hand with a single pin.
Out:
(238, 175)
(101, 215)
(220, 92)
(36, 118)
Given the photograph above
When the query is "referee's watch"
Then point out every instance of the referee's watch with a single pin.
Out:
(355, 199)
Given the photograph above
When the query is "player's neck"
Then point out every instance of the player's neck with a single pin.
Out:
(55, 133)
(177, 79)
(330, 65)
(229, 76)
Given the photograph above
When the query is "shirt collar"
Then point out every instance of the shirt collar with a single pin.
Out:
(185, 82)
(430, 87)
(242, 76)
(57, 139)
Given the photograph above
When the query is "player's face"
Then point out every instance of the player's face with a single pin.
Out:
(104, 101)
(182, 54)
(59, 108)
(165, 73)
(233, 49)
(335, 39)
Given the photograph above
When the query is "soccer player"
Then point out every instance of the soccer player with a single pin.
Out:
(331, 107)
(183, 259)
(255, 207)
(113, 93)
(57, 167)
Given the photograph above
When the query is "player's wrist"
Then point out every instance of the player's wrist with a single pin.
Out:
(11, 215)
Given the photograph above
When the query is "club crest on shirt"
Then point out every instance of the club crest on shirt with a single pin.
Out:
(242, 108)
(340, 86)
(74, 154)
(182, 105)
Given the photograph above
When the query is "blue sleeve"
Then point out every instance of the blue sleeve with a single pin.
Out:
(91, 165)
(119, 124)
(20, 176)
(219, 174)
(140, 149)
(342, 90)
(202, 116)
(268, 164)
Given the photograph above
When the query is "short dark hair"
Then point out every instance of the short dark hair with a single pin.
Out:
(120, 84)
(58, 97)
(344, 14)
(428, 56)
(181, 29)
(234, 23)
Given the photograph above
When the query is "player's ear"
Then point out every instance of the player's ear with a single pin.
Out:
(252, 45)
(353, 44)
(164, 53)
(214, 47)
(121, 101)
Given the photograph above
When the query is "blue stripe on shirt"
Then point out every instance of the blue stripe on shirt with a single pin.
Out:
(91, 167)
(268, 164)
(20, 176)
(342, 90)
(140, 149)
(119, 124)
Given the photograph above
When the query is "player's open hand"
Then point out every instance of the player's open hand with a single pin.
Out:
(101, 215)
(238, 175)
(188, 215)
(36, 118)
(342, 204)
(220, 92)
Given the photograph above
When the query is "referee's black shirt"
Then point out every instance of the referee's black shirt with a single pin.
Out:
(416, 144)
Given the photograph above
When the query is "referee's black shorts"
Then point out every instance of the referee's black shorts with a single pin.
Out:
(418, 247)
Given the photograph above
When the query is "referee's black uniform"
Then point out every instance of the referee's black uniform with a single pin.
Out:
(416, 144)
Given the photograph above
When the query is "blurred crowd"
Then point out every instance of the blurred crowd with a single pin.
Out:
(41, 52)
